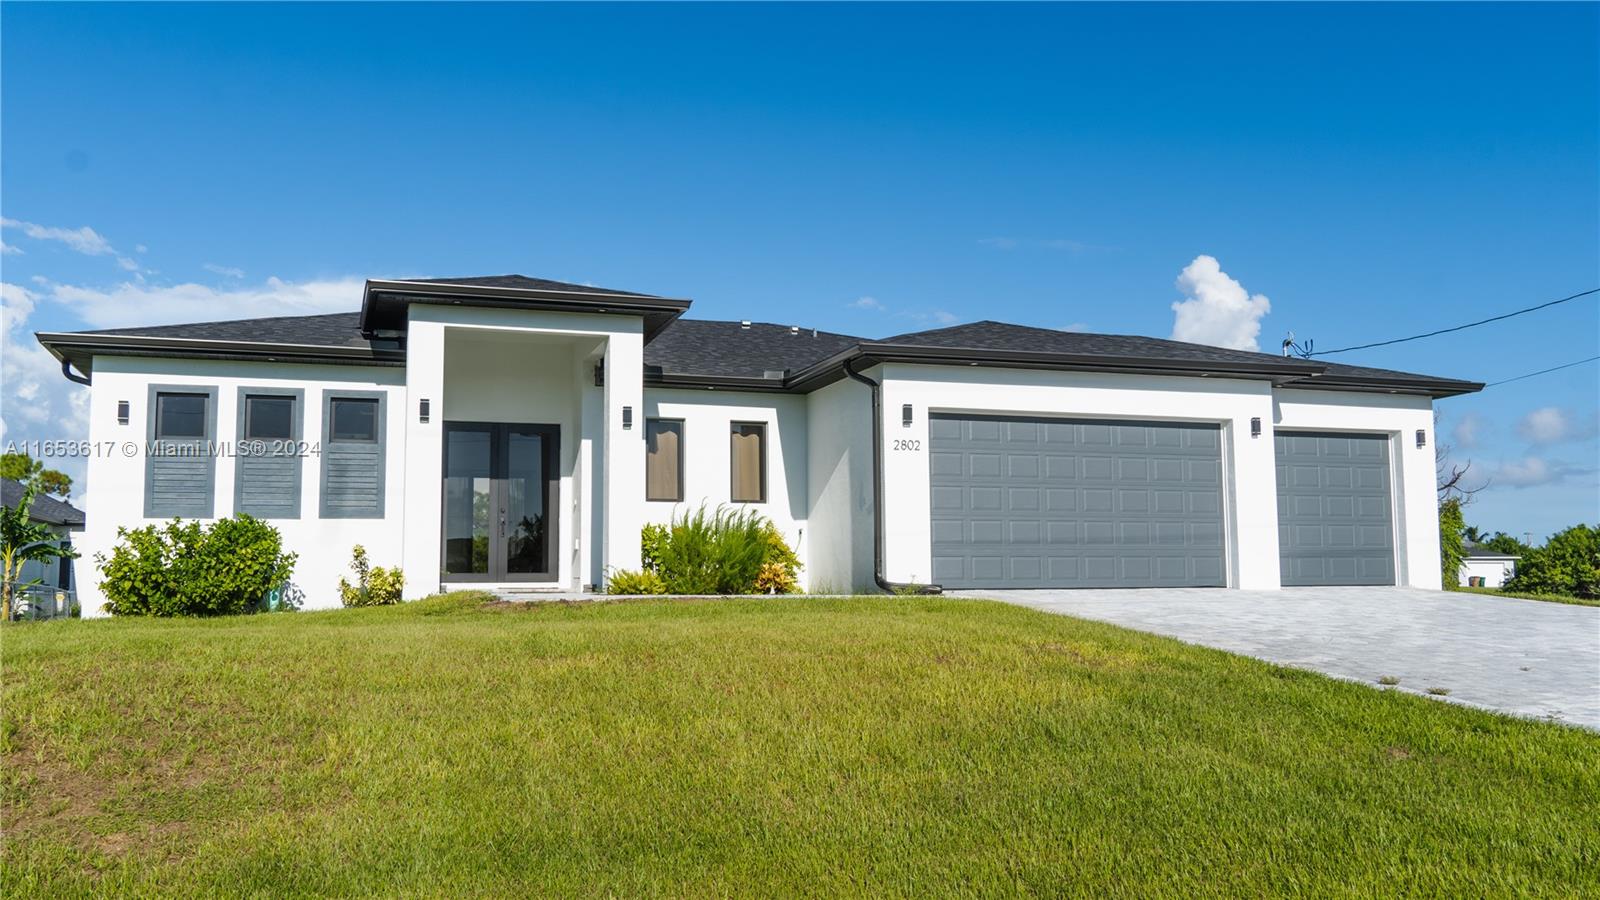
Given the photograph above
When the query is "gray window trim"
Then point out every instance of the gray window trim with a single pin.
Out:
(297, 432)
(328, 396)
(766, 437)
(683, 437)
(155, 390)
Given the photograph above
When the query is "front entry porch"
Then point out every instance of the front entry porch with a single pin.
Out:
(501, 489)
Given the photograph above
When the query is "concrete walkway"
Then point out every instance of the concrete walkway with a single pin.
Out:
(1518, 656)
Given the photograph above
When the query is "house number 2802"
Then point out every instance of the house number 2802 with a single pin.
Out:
(907, 445)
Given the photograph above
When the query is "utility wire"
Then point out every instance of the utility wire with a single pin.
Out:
(1456, 328)
(1543, 371)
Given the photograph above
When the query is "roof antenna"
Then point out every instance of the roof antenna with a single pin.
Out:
(1290, 348)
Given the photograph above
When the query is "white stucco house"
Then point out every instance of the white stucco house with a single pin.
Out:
(517, 433)
(1493, 567)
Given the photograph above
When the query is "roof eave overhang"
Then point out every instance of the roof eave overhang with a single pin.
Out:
(716, 382)
(874, 353)
(384, 303)
(1437, 388)
(80, 350)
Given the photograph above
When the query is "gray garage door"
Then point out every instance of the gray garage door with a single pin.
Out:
(1334, 524)
(1046, 503)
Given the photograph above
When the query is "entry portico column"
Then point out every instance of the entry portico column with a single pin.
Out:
(623, 468)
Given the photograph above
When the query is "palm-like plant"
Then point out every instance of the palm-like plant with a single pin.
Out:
(22, 540)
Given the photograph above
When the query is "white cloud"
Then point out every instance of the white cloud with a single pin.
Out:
(230, 271)
(1532, 471)
(84, 240)
(1552, 425)
(1218, 311)
(871, 303)
(37, 396)
(1076, 326)
(944, 318)
(8, 249)
(1468, 431)
(141, 304)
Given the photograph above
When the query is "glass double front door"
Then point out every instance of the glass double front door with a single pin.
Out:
(500, 501)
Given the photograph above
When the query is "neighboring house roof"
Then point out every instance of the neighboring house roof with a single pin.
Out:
(1475, 551)
(707, 353)
(46, 508)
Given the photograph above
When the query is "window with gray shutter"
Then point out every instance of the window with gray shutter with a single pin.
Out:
(353, 456)
(180, 468)
(267, 474)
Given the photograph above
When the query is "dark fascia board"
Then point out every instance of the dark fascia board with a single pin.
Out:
(80, 349)
(874, 352)
(383, 302)
(1437, 388)
(716, 382)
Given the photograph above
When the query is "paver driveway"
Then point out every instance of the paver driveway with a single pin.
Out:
(1518, 656)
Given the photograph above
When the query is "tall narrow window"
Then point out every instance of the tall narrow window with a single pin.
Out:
(663, 466)
(180, 470)
(266, 474)
(353, 457)
(749, 458)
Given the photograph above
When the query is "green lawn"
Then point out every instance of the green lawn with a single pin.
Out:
(885, 746)
(1548, 598)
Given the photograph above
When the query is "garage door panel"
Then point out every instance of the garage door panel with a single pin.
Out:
(1136, 504)
(1334, 509)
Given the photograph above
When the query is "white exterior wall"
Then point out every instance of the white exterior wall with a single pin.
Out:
(708, 417)
(115, 481)
(839, 554)
(525, 366)
(1250, 497)
(1416, 503)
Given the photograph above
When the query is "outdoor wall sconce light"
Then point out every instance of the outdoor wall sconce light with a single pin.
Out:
(423, 408)
(122, 412)
(627, 417)
(1422, 438)
(905, 415)
(1255, 426)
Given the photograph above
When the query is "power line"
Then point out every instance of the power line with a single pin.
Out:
(1456, 328)
(1543, 371)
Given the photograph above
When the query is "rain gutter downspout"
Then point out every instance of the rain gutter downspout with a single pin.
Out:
(893, 587)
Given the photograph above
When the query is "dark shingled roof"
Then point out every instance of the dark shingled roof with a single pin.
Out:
(332, 330)
(706, 347)
(45, 508)
(523, 282)
(991, 335)
(686, 349)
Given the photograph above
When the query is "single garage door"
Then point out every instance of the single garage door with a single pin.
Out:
(1057, 503)
(1334, 509)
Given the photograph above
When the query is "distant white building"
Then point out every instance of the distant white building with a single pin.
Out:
(1493, 567)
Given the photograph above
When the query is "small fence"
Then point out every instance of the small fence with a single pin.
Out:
(39, 601)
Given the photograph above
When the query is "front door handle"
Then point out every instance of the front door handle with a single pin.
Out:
(502, 523)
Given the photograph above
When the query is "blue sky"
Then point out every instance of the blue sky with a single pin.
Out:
(1373, 170)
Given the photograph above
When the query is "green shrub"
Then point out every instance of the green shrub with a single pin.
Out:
(728, 551)
(375, 585)
(1568, 563)
(1451, 526)
(625, 581)
(189, 569)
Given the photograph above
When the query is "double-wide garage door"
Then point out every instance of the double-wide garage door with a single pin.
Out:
(1032, 503)
(1334, 519)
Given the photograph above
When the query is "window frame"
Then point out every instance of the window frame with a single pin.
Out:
(329, 443)
(762, 464)
(297, 419)
(683, 428)
(153, 394)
